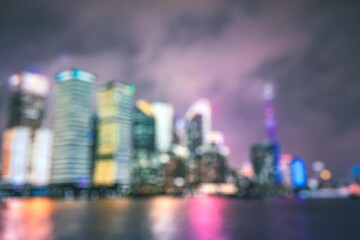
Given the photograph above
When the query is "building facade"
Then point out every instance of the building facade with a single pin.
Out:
(163, 114)
(28, 92)
(72, 126)
(264, 157)
(198, 125)
(145, 167)
(114, 143)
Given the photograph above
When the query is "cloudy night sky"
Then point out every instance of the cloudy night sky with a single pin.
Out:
(181, 51)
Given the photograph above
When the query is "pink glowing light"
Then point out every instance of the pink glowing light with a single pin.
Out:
(206, 217)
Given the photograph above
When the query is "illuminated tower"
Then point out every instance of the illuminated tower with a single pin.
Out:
(198, 124)
(163, 114)
(114, 148)
(72, 128)
(267, 154)
(28, 93)
(144, 167)
(270, 123)
(264, 160)
(144, 127)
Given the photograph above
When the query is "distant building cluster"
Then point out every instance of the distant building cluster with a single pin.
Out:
(101, 138)
(103, 142)
(270, 168)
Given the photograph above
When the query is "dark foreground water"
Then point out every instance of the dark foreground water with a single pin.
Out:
(176, 218)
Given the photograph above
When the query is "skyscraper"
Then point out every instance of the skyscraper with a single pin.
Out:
(197, 130)
(269, 113)
(264, 159)
(72, 126)
(163, 114)
(28, 93)
(194, 130)
(114, 150)
(144, 166)
(198, 124)
(270, 126)
(144, 127)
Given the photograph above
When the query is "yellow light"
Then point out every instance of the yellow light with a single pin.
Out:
(325, 174)
(104, 172)
(145, 107)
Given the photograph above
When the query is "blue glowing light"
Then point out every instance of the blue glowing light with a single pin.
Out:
(298, 173)
(75, 74)
(355, 170)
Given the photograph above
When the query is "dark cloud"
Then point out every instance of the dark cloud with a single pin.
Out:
(317, 87)
(27, 29)
(186, 29)
(181, 51)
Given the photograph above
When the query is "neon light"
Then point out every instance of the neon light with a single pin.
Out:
(355, 170)
(75, 74)
(145, 107)
(298, 171)
(325, 175)
(269, 112)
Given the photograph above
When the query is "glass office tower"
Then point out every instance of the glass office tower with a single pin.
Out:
(114, 143)
(72, 127)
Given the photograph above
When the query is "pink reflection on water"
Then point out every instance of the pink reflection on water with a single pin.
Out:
(28, 219)
(206, 216)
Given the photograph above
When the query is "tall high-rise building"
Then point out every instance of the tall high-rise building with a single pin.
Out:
(194, 134)
(163, 114)
(144, 127)
(270, 125)
(144, 165)
(28, 93)
(148, 170)
(264, 159)
(114, 150)
(27, 98)
(72, 126)
(269, 112)
(197, 130)
(198, 124)
(179, 132)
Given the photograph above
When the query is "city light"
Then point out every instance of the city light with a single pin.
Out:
(298, 171)
(124, 148)
(318, 166)
(355, 170)
(325, 175)
(180, 119)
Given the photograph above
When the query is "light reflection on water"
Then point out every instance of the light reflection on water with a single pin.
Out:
(27, 219)
(163, 218)
(206, 217)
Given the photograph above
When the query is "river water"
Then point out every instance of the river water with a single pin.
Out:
(173, 218)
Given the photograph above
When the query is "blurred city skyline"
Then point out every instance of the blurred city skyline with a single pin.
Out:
(221, 50)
